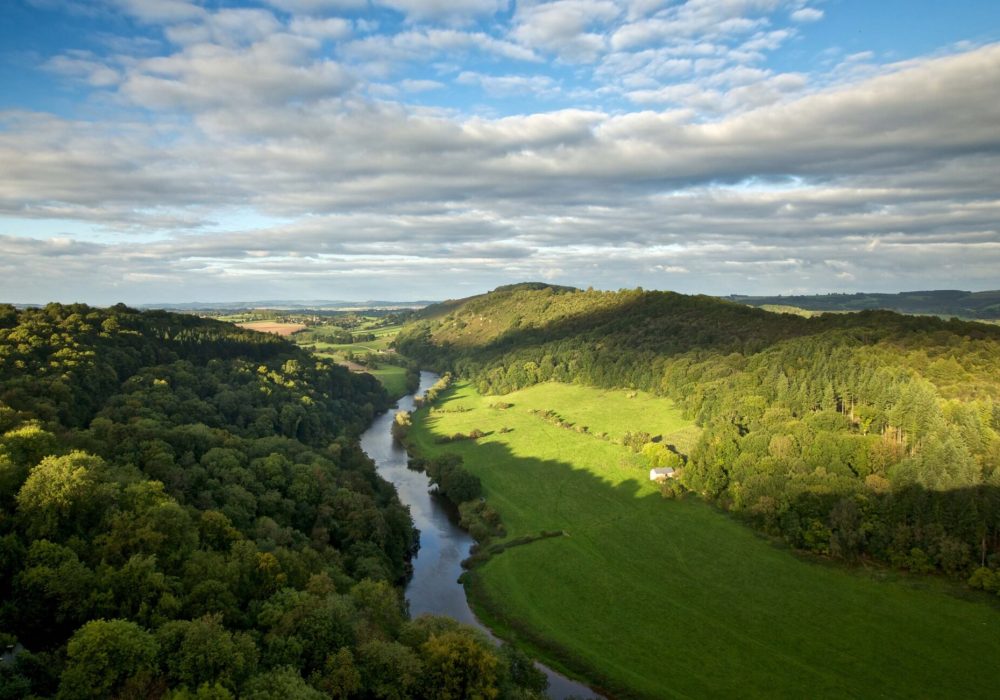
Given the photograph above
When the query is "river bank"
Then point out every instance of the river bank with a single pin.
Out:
(434, 587)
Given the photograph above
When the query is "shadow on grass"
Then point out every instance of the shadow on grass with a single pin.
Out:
(733, 611)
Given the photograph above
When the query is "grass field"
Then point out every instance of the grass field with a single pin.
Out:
(656, 598)
(393, 378)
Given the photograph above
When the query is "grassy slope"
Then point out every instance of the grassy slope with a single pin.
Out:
(660, 598)
(393, 378)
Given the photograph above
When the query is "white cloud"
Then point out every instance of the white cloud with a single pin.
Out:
(317, 7)
(334, 28)
(236, 27)
(160, 11)
(565, 27)
(411, 85)
(457, 11)
(807, 14)
(705, 18)
(273, 71)
(255, 114)
(426, 44)
(85, 66)
(509, 84)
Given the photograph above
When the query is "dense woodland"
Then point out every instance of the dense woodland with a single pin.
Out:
(185, 513)
(942, 302)
(870, 435)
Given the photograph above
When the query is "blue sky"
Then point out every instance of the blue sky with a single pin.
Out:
(177, 150)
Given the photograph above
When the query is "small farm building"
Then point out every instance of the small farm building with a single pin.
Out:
(661, 473)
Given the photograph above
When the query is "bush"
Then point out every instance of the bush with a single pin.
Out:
(401, 425)
(454, 482)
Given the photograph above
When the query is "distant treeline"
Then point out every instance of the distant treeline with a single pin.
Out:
(855, 435)
(185, 513)
(945, 302)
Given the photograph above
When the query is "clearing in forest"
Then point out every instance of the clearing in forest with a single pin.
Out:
(658, 598)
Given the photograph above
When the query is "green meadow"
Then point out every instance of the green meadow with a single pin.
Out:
(393, 378)
(655, 598)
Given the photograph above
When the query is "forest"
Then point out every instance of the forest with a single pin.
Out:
(941, 302)
(185, 513)
(864, 436)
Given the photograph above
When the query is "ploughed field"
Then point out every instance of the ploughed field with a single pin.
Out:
(649, 597)
(278, 328)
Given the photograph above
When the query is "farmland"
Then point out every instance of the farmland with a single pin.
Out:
(358, 340)
(649, 597)
(276, 327)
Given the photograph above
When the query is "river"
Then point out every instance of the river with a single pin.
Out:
(434, 587)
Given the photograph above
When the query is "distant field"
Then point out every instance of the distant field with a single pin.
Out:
(784, 309)
(656, 598)
(282, 329)
(393, 378)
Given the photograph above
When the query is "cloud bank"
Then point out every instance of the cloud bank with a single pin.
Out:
(272, 151)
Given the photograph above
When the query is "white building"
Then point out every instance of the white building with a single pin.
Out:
(661, 474)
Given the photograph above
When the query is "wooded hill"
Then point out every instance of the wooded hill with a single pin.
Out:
(854, 435)
(185, 512)
(942, 302)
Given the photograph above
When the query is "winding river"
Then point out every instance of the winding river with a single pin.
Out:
(434, 587)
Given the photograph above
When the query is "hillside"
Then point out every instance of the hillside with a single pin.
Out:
(655, 574)
(868, 435)
(946, 302)
(185, 512)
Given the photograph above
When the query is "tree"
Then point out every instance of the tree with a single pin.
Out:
(846, 530)
(64, 495)
(340, 678)
(282, 683)
(204, 651)
(459, 666)
(105, 654)
(390, 671)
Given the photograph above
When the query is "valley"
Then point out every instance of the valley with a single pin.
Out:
(650, 597)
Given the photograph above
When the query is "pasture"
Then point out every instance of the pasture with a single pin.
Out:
(393, 378)
(656, 598)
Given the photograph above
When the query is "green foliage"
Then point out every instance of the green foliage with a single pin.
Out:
(459, 665)
(797, 414)
(945, 302)
(185, 512)
(481, 520)
(432, 394)
(453, 480)
(282, 683)
(64, 495)
(203, 651)
(103, 656)
(401, 425)
(711, 608)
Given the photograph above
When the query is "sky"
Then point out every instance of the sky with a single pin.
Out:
(156, 151)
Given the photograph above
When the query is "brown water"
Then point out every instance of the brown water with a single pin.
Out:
(434, 587)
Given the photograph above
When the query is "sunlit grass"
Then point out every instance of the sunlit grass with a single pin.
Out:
(393, 378)
(658, 598)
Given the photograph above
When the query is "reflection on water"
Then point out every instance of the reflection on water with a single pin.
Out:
(434, 587)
